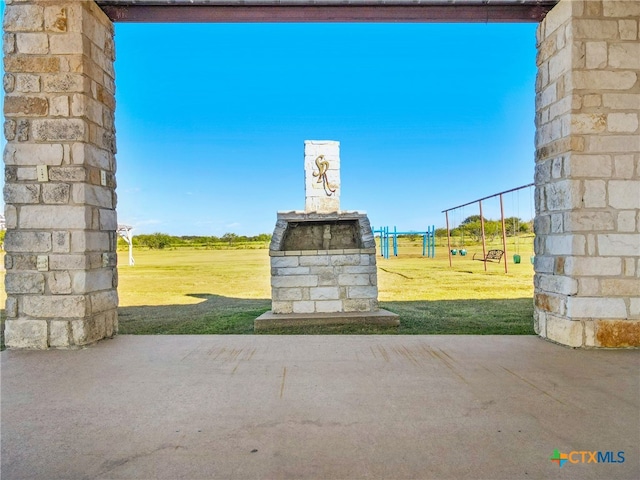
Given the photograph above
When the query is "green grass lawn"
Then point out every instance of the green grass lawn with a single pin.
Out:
(223, 291)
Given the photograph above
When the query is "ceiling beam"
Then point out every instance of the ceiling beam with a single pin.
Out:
(411, 13)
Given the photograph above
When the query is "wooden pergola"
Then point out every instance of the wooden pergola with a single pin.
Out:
(396, 11)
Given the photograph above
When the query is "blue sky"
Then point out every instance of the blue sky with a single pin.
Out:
(211, 120)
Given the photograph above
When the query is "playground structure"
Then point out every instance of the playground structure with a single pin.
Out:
(491, 255)
(386, 235)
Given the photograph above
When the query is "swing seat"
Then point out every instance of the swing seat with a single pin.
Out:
(492, 256)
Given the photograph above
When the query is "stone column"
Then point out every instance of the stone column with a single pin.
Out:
(60, 198)
(587, 280)
(322, 176)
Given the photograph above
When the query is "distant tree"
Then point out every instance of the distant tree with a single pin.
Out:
(471, 219)
(441, 232)
(156, 240)
(229, 238)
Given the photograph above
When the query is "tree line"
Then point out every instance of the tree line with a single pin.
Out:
(161, 240)
(471, 227)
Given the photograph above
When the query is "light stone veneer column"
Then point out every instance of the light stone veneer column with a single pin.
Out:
(60, 244)
(587, 280)
(319, 196)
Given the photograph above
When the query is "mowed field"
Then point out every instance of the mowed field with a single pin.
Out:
(189, 291)
(222, 291)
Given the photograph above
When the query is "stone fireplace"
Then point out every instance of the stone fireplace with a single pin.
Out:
(323, 260)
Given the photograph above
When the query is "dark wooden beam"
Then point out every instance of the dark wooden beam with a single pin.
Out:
(462, 13)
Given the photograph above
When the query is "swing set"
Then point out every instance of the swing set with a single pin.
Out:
(492, 255)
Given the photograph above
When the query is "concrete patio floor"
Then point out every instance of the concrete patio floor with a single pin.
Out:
(318, 407)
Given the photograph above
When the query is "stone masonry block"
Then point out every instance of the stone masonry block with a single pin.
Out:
(562, 195)
(312, 260)
(59, 333)
(65, 82)
(28, 83)
(557, 284)
(104, 301)
(595, 194)
(10, 216)
(51, 130)
(108, 220)
(588, 123)
(565, 245)
(34, 154)
(54, 217)
(626, 221)
(62, 306)
(70, 43)
(595, 80)
(345, 260)
(621, 8)
(564, 331)
(59, 106)
(20, 241)
(23, 333)
(92, 281)
(549, 302)
(588, 287)
(622, 122)
(32, 43)
(283, 262)
(360, 269)
(294, 281)
(98, 196)
(301, 307)
(9, 43)
(84, 106)
(624, 194)
(593, 266)
(362, 292)
(59, 283)
(26, 106)
(628, 29)
(619, 244)
(11, 307)
(586, 220)
(90, 242)
(291, 271)
(350, 279)
(17, 193)
(284, 294)
(88, 330)
(282, 307)
(55, 193)
(596, 53)
(324, 293)
(31, 64)
(67, 174)
(625, 55)
(358, 305)
(68, 262)
(595, 29)
(598, 307)
(55, 19)
(328, 306)
(30, 283)
(614, 143)
(24, 18)
(616, 287)
(621, 101)
(90, 155)
(598, 166)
